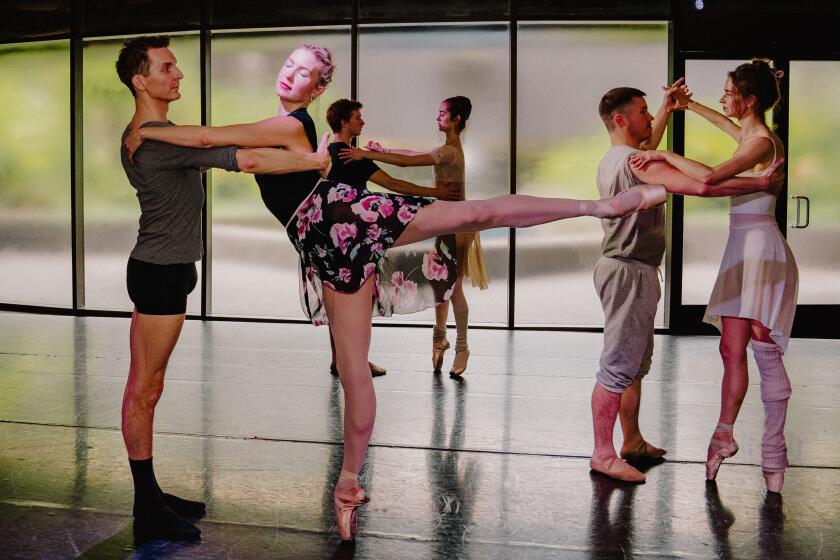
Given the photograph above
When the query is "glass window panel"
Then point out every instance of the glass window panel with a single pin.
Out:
(110, 202)
(35, 242)
(706, 222)
(437, 9)
(268, 13)
(560, 140)
(254, 264)
(107, 17)
(813, 168)
(401, 100)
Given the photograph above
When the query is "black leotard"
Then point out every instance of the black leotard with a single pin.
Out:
(282, 194)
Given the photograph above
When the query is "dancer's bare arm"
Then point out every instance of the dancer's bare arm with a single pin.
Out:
(286, 132)
(748, 155)
(416, 160)
(444, 191)
(260, 161)
(375, 146)
(660, 172)
(670, 103)
(718, 119)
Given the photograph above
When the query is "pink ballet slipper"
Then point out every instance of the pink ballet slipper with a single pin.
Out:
(345, 512)
(718, 451)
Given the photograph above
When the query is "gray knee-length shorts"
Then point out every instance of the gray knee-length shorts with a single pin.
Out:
(629, 292)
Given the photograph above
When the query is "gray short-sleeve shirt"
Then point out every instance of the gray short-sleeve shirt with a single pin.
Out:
(167, 179)
(639, 236)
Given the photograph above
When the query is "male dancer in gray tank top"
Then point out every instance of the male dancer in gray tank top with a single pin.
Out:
(161, 270)
(626, 277)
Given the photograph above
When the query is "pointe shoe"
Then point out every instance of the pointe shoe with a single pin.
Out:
(618, 469)
(774, 481)
(439, 346)
(345, 512)
(718, 451)
(462, 354)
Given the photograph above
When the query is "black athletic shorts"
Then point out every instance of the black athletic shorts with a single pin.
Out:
(160, 289)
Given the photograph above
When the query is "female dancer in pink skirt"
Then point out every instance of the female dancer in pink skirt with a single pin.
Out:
(754, 297)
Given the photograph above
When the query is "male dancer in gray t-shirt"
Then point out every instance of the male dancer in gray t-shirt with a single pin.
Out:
(626, 276)
(161, 271)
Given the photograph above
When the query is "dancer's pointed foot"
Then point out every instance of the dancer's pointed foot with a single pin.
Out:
(439, 346)
(345, 506)
(641, 451)
(163, 524)
(634, 199)
(719, 449)
(185, 508)
(775, 481)
(375, 370)
(614, 467)
(462, 354)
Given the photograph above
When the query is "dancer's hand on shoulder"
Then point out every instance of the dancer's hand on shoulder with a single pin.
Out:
(374, 146)
(351, 154)
(132, 143)
(640, 160)
(776, 177)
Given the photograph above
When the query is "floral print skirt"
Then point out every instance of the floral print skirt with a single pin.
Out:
(342, 235)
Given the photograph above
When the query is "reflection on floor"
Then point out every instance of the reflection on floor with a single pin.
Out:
(492, 467)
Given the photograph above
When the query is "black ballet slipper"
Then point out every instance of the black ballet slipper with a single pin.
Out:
(163, 524)
(185, 508)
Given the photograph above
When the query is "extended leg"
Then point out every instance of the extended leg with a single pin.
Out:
(445, 217)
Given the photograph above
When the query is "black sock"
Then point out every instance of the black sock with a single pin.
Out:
(146, 497)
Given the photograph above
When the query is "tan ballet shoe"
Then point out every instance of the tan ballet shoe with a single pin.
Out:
(462, 355)
(375, 370)
(617, 468)
(439, 346)
(643, 451)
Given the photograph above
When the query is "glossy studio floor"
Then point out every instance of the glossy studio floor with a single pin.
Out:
(492, 467)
